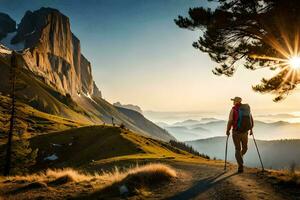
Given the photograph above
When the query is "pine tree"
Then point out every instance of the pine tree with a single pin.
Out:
(8, 156)
(250, 33)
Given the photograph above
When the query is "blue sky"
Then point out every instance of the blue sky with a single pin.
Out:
(140, 56)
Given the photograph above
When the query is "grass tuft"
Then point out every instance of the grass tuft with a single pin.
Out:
(71, 174)
(52, 175)
(148, 175)
(136, 179)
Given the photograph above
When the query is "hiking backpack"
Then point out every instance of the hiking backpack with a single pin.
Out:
(244, 119)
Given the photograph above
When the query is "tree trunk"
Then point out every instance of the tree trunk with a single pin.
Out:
(7, 166)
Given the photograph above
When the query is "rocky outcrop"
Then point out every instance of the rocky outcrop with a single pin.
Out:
(86, 76)
(53, 52)
(96, 92)
(7, 25)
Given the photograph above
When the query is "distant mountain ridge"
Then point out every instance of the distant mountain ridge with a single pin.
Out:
(7, 25)
(56, 77)
(276, 154)
(195, 129)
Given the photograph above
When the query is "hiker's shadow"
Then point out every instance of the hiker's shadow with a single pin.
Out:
(201, 186)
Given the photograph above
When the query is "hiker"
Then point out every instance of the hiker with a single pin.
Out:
(241, 122)
(112, 121)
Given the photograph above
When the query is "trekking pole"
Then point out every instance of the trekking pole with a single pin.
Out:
(225, 165)
(262, 166)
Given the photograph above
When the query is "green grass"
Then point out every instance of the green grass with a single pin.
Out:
(32, 122)
(81, 146)
(94, 147)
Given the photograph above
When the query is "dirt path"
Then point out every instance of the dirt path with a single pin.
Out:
(207, 182)
(194, 182)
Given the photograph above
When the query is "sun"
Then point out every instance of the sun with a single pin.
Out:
(294, 62)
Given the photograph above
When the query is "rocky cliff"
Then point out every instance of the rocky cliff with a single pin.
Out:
(53, 52)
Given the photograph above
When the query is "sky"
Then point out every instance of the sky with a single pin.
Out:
(139, 56)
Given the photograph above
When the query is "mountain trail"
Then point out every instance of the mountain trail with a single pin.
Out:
(208, 182)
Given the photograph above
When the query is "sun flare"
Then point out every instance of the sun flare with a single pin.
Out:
(294, 62)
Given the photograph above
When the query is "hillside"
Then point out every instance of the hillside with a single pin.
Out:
(276, 154)
(96, 146)
(31, 122)
(140, 121)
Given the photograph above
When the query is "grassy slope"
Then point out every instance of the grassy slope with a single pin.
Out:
(31, 121)
(140, 121)
(137, 123)
(93, 147)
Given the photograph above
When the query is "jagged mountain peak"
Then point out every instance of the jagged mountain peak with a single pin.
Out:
(7, 25)
(32, 24)
(52, 51)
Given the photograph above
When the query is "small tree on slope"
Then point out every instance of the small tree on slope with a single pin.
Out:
(17, 155)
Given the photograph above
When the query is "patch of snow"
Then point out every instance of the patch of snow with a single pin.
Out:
(89, 96)
(7, 42)
(52, 157)
(56, 145)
